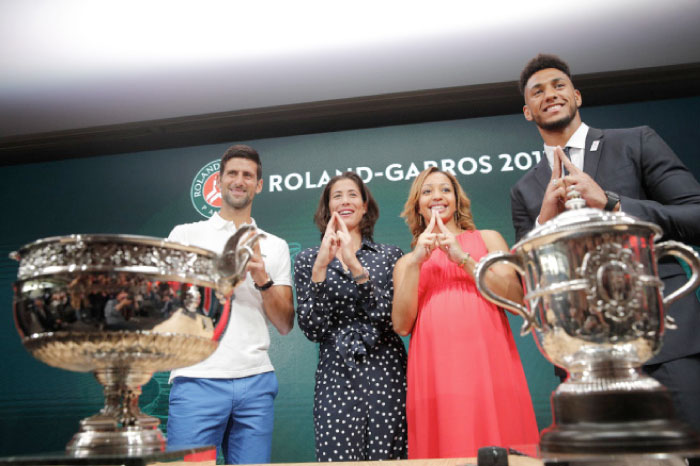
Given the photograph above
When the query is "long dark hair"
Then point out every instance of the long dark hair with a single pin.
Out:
(323, 213)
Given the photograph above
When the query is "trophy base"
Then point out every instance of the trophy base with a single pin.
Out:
(618, 422)
(675, 458)
(100, 435)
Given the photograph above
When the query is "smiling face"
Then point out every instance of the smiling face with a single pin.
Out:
(239, 183)
(346, 199)
(437, 195)
(551, 100)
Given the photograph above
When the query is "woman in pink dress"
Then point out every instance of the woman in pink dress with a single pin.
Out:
(466, 385)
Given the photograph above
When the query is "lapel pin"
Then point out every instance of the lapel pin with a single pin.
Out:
(594, 145)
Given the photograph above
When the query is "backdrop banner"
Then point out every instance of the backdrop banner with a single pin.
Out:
(147, 193)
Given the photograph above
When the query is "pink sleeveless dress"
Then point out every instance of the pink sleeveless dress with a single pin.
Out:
(466, 385)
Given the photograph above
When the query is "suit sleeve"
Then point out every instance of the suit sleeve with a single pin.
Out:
(522, 220)
(672, 192)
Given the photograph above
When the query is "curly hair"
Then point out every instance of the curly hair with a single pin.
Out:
(323, 213)
(414, 220)
(541, 62)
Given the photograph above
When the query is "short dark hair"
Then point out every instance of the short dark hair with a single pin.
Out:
(541, 62)
(240, 151)
(323, 213)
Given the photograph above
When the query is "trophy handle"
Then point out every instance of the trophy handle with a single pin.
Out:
(480, 275)
(690, 257)
(233, 260)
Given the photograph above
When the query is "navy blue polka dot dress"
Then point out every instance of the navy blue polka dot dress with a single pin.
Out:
(360, 393)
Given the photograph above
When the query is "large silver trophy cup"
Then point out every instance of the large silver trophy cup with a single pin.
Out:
(595, 306)
(124, 307)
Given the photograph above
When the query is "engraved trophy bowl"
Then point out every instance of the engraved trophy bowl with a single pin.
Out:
(594, 303)
(123, 307)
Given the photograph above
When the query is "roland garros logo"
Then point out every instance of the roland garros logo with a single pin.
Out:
(205, 195)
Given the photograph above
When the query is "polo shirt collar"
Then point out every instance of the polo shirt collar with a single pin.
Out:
(220, 223)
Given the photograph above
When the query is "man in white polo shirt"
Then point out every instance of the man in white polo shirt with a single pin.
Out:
(227, 399)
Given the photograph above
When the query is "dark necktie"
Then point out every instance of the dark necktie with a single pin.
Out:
(566, 150)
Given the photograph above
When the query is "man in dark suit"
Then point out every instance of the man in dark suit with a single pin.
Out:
(632, 170)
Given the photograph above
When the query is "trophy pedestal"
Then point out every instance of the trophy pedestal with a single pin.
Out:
(99, 436)
(120, 428)
(617, 422)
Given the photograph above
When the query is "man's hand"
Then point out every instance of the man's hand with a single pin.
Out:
(555, 194)
(256, 265)
(578, 180)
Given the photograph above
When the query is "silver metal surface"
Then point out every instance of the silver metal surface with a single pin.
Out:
(124, 307)
(593, 298)
(618, 459)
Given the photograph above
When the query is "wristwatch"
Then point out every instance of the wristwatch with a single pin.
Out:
(364, 275)
(613, 199)
(264, 286)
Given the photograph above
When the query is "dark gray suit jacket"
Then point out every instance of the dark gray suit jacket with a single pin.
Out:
(655, 186)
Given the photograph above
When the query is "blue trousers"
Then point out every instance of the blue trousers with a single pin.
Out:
(235, 415)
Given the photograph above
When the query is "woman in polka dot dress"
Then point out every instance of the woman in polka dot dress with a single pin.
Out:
(344, 292)
(466, 386)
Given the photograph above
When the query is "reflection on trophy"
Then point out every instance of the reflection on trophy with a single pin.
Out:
(124, 307)
(595, 306)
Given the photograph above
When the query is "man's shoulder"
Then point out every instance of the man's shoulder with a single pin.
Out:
(634, 131)
(185, 231)
(192, 226)
(273, 239)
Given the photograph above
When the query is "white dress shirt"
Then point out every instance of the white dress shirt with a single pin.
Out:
(577, 149)
(576, 144)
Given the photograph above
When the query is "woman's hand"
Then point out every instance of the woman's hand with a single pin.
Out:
(347, 248)
(447, 241)
(327, 251)
(329, 243)
(427, 242)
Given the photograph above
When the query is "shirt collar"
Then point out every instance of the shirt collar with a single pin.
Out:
(367, 244)
(221, 224)
(577, 141)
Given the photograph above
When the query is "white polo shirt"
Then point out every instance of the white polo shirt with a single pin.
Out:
(242, 351)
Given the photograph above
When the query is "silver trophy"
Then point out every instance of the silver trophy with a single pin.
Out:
(595, 306)
(124, 307)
